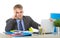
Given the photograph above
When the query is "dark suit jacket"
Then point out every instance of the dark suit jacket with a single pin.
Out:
(11, 24)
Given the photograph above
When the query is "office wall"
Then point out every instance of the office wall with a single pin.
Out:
(37, 9)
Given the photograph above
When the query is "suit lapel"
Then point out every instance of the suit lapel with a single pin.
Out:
(15, 24)
(25, 22)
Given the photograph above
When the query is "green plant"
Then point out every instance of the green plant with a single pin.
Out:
(57, 23)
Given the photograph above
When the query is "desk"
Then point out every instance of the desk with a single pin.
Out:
(33, 36)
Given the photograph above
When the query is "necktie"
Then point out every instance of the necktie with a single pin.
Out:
(20, 26)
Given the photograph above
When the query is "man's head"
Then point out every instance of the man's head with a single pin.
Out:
(18, 11)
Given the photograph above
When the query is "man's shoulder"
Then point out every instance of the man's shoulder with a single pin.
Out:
(10, 19)
(26, 16)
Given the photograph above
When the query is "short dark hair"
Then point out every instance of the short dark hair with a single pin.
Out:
(18, 6)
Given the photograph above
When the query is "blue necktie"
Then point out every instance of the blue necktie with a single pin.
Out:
(20, 26)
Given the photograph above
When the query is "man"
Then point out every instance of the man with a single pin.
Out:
(20, 22)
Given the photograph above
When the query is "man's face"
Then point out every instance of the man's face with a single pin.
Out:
(18, 12)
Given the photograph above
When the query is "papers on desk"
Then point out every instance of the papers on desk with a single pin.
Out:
(9, 33)
(19, 34)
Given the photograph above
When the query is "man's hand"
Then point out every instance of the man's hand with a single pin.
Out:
(14, 17)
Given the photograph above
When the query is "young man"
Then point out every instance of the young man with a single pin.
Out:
(19, 21)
